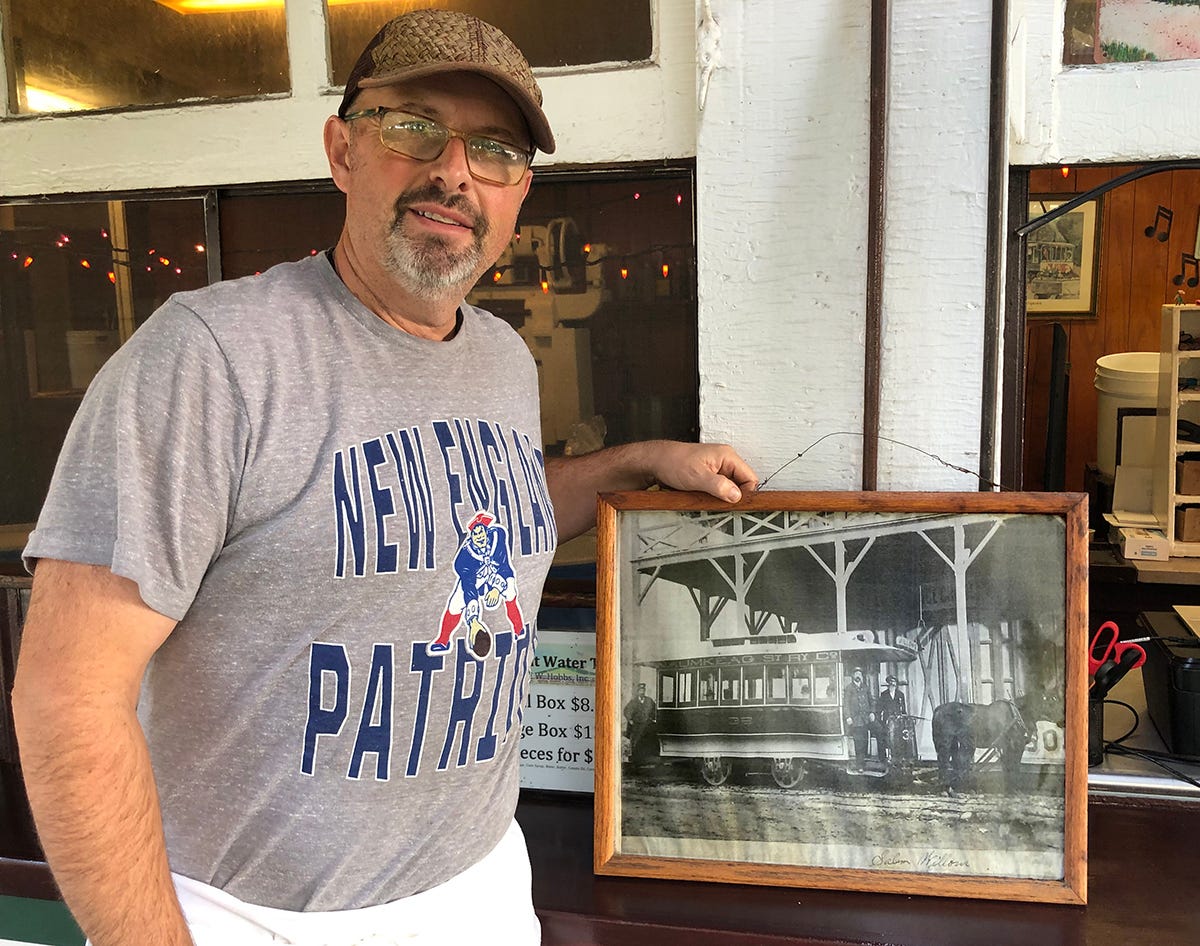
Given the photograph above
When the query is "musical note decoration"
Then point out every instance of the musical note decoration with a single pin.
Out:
(1161, 227)
(1188, 262)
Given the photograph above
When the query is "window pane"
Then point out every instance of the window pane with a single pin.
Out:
(600, 282)
(731, 686)
(549, 32)
(753, 683)
(802, 684)
(84, 54)
(260, 230)
(685, 678)
(75, 280)
(1100, 31)
(825, 691)
(777, 683)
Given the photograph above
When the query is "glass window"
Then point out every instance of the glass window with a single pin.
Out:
(777, 683)
(685, 678)
(752, 684)
(666, 690)
(549, 32)
(88, 54)
(801, 692)
(708, 687)
(1097, 32)
(825, 689)
(600, 282)
(731, 686)
(260, 230)
(76, 278)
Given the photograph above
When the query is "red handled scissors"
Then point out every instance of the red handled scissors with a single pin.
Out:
(1107, 646)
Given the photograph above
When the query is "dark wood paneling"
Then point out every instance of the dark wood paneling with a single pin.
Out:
(1135, 279)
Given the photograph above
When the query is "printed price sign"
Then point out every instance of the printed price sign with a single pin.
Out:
(558, 729)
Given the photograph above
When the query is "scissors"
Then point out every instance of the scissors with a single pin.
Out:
(1110, 658)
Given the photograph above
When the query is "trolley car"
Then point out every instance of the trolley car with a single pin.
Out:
(779, 704)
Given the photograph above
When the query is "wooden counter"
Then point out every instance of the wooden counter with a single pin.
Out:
(1142, 877)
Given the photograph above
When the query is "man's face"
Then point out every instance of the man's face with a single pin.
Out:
(431, 225)
(479, 537)
(858, 677)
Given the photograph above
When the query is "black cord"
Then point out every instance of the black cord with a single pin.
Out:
(1180, 641)
(1136, 721)
(1159, 759)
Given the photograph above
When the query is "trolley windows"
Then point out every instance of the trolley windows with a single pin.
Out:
(677, 688)
(731, 686)
(708, 687)
(777, 683)
(752, 685)
(825, 687)
(800, 691)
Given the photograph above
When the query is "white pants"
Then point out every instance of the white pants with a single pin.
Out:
(490, 902)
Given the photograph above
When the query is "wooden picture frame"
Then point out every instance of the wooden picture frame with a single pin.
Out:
(745, 623)
(1062, 259)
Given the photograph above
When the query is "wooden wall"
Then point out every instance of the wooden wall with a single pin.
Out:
(1134, 281)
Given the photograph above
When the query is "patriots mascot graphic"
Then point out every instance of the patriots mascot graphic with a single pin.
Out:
(485, 578)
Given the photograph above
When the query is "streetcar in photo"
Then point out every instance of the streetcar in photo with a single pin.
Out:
(784, 707)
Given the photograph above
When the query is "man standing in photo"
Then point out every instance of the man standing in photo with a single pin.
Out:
(859, 717)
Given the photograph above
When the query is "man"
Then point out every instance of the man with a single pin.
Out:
(253, 528)
(860, 717)
(890, 706)
(641, 715)
(891, 700)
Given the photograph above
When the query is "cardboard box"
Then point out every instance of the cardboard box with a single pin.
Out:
(1187, 477)
(1187, 523)
(1144, 544)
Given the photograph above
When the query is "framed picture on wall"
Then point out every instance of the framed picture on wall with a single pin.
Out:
(1062, 259)
(855, 691)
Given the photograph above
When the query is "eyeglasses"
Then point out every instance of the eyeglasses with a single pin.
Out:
(415, 136)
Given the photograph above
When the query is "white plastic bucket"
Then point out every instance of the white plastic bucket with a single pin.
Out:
(1123, 380)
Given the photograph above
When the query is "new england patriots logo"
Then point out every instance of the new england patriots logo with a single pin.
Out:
(485, 578)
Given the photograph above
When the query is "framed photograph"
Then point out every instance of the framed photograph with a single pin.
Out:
(1061, 259)
(858, 691)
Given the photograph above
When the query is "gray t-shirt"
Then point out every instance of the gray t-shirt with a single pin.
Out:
(294, 480)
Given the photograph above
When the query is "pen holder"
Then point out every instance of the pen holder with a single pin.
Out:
(1095, 732)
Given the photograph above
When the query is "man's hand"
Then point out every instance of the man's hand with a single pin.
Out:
(574, 481)
(713, 468)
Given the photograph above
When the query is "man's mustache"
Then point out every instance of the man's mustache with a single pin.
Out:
(433, 194)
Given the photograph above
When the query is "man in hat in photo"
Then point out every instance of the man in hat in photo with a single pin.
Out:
(237, 721)
(889, 706)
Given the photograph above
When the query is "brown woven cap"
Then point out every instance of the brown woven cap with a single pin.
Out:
(430, 42)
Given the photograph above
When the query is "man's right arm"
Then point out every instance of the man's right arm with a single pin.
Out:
(85, 645)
